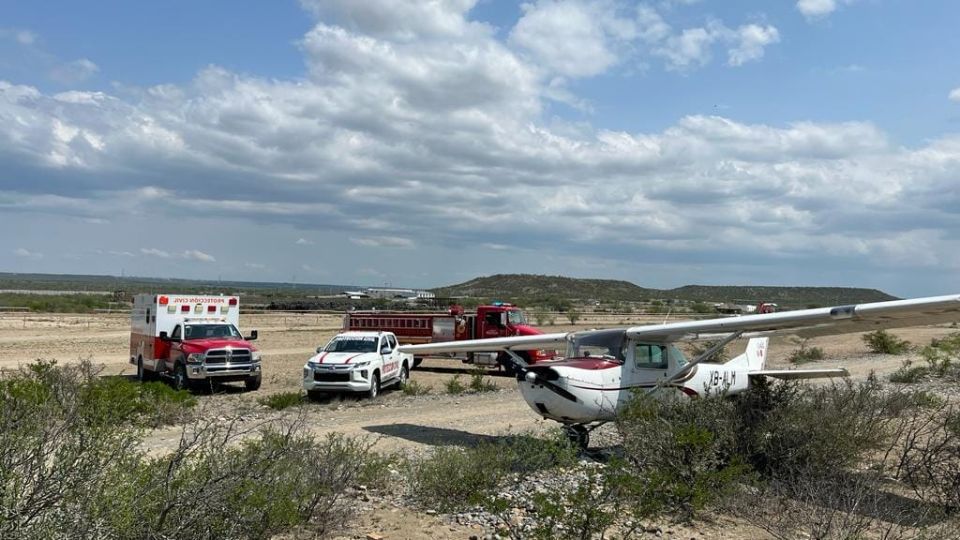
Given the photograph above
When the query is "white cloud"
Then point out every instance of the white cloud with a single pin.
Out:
(954, 95)
(574, 38)
(254, 266)
(818, 9)
(155, 253)
(303, 242)
(74, 72)
(19, 35)
(383, 241)
(751, 40)
(25, 253)
(190, 254)
(195, 255)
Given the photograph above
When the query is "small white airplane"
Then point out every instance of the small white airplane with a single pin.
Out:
(603, 369)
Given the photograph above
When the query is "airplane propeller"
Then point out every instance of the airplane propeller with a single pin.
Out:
(541, 376)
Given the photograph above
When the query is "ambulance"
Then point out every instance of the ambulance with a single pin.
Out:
(192, 340)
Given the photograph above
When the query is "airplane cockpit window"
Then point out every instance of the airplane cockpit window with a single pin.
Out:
(606, 344)
(650, 356)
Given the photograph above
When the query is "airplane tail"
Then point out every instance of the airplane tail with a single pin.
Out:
(754, 358)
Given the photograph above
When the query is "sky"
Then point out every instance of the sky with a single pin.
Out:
(421, 143)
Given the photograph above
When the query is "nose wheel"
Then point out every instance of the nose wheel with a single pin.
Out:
(577, 434)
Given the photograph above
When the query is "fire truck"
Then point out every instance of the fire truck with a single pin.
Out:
(411, 328)
(192, 340)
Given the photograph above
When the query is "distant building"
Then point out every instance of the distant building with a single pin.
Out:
(391, 293)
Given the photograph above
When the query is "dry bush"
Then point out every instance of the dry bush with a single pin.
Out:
(72, 465)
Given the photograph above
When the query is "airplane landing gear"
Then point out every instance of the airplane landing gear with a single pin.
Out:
(577, 434)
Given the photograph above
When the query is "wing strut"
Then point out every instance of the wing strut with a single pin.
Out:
(693, 363)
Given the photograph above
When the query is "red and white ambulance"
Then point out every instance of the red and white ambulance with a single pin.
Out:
(193, 340)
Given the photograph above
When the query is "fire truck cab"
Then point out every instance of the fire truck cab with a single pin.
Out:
(192, 340)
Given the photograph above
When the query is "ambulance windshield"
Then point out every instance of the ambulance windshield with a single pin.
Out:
(209, 331)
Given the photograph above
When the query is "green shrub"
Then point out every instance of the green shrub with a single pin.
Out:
(414, 388)
(73, 465)
(282, 400)
(804, 353)
(454, 386)
(907, 373)
(454, 478)
(682, 449)
(479, 382)
(942, 354)
(882, 342)
(573, 316)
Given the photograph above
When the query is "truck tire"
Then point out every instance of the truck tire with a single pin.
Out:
(252, 383)
(404, 375)
(180, 380)
(374, 390)
(315, 395)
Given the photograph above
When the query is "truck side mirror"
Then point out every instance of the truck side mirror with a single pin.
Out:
(386, 350)
(164, 336)
(319, 350)
(252, 336)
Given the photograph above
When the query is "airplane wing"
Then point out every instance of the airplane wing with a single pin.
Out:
(805, 323)
(814, 322)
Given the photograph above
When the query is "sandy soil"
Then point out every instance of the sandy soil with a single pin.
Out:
(408, 424)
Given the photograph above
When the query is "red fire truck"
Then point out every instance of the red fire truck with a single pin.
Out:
(496, 320)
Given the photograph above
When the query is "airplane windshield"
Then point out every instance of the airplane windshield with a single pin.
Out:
(606, 344)
(515, 316)
(352, 344)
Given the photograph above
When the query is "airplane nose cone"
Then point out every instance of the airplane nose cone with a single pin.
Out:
(531, 377)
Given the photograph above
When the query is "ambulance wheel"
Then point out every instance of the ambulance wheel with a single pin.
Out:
(253, 383)
(577, 435)
(374, 390)
(180, 380)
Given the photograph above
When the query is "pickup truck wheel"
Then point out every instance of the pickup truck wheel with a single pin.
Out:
(374, 390)
(252, 383)
(404, 375)
(315, 395)
(180, 379)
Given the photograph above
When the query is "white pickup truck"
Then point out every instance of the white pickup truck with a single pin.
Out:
(356, 362)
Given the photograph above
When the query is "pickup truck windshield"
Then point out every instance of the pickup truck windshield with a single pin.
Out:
(207, 331)
(353, 344)
(516, 317)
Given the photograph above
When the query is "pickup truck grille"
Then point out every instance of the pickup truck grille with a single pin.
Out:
(228, 356)
(331, 377)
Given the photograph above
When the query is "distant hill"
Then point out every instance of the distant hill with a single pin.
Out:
(527, 286)
(787, 296)
(532, 288)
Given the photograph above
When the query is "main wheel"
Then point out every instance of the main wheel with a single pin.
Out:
(252, 383)
(578, 435)
(180, 379)
(374, 390)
